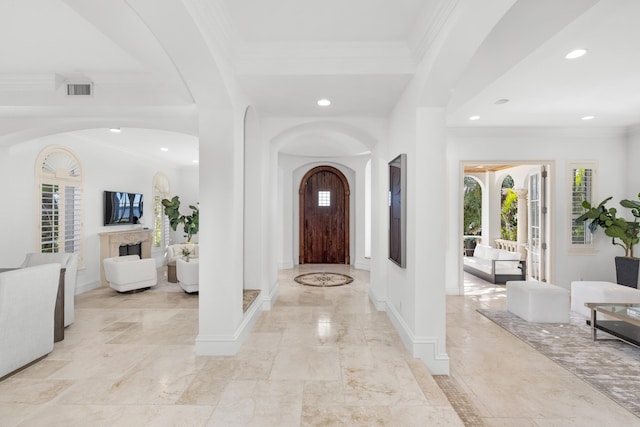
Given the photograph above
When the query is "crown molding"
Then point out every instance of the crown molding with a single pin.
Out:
(218, 28)
(47, 82)
(428, 27)
(324, 58)
(516, 133)
(215, 23)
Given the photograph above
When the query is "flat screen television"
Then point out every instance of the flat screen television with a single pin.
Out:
(121, 208)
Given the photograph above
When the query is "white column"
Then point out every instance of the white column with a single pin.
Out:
(493, 209)
(379, 227)
(272, 243)
(221, 230)
(426, 195)
(523, 229)
(254, 177)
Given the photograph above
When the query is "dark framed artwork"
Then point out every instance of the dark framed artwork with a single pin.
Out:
(398, 210)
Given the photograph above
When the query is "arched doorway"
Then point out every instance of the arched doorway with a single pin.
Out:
(324, 217)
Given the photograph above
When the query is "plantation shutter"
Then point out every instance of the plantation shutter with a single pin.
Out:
(581, 190)
(50, 221)
(72, 223)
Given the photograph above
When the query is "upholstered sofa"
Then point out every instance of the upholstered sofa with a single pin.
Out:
(27, 306)
(129, 272)
(70, 263)
(188, 274)
(495, 265)
(600, 291)
(175, 251)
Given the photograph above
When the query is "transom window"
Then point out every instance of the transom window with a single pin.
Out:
(324, 198)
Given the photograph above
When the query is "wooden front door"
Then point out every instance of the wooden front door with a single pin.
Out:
(324, 217)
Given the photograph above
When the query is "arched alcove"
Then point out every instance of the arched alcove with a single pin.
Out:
(324, 217)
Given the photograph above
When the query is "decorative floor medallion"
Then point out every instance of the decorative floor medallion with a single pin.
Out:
(323, 279)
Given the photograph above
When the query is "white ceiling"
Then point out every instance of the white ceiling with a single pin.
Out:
(286, 54)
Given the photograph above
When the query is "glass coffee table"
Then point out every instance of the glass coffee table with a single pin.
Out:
(624, 322)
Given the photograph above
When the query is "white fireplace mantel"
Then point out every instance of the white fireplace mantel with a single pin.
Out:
(110, 243)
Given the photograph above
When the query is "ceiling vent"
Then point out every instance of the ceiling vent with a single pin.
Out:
(79, 89)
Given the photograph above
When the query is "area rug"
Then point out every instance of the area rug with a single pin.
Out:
(323, 279)
(610, 366)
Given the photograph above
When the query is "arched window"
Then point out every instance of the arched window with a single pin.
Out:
(161, 191)
(60, 187)
(472, 207)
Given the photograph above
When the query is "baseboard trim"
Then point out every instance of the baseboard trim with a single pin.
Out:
(424, 348)
(360, 265)
(285, 265)
(379, 302)
(270, 299)
(453, 291)
(87, 287)
(229, 345)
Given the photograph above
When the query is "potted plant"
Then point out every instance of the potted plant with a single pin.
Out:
(470, 244)
(623, 233)
(190, 223)
(186, 253)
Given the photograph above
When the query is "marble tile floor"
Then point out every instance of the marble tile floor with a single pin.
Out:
(321, 357)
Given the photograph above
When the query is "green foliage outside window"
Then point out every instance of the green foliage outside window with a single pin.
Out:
(472, 207)
(509, 216)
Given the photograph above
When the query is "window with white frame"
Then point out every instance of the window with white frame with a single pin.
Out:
(160, 220)
(59, 197)
(324, 198)
(582, 187)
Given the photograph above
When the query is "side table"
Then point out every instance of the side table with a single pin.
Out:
(171, 272)
(58, 329)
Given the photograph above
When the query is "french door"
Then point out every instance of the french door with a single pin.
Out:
(538, 221)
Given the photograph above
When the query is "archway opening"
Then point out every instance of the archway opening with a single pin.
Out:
(324, 217)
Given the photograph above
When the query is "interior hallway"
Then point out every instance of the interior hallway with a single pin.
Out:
(322, 356)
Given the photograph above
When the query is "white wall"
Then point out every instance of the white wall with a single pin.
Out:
(103, 169)
(633, 172)
(557, 147)
(415, 295)
(186, 185)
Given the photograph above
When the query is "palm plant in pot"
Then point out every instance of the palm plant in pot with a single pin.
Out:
(623, 233)
(190, 223)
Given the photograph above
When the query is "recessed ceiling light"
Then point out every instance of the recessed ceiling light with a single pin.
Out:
(324, 102)
(588, 118)
(196, 161)
(474, 118)
(164, 149)
(576, 53)
(115, 130)
(501, 101)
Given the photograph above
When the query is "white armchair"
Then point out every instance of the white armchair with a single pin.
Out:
(27, 306)
(188, 274)
(129, 272)
(70, 263)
